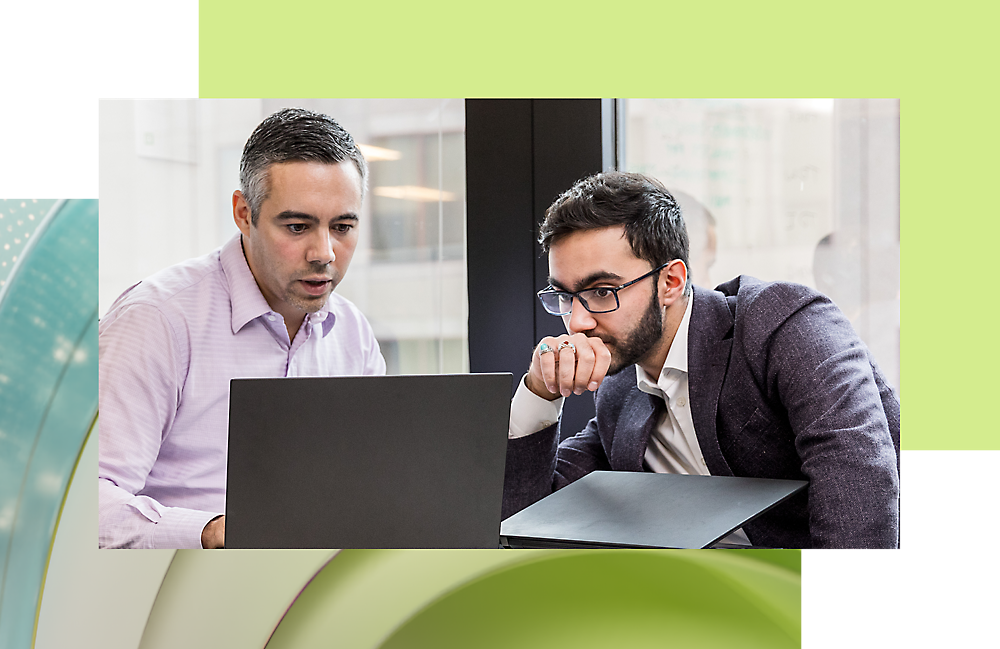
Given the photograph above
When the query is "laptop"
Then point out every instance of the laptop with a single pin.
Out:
(618, 509)
(367, 461)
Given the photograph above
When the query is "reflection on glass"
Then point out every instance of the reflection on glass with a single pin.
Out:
(415, 194)
(803, 190)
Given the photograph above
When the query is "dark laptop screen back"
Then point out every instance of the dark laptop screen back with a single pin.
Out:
(367, 462)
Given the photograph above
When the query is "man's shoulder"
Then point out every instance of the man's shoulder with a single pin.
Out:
(762, 301)
(171, 288)
(748, 289)
(763, 309)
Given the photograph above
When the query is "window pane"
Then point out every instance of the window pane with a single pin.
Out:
(805, 190)
(169, 167)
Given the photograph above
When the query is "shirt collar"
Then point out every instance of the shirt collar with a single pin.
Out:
(248, 302)
(677, 355)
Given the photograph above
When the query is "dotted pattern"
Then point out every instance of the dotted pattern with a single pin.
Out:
(18, 221)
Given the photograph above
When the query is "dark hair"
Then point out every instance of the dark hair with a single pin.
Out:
(294, 134)
(653, 223)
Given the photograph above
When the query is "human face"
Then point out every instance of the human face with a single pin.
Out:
(594, 258)
(305, 235)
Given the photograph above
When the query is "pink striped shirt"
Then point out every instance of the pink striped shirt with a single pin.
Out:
(168, 348)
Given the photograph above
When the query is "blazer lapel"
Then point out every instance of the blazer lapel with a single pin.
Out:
(632, 431)
(710, 341)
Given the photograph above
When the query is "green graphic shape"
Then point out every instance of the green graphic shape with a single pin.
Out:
(48, 399)
(421, 598)
(947, 130)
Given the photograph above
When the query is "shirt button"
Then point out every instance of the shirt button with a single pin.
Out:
(682, 402)
(271, 318)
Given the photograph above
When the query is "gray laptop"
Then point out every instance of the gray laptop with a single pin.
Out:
(618, 509)
(367, 461)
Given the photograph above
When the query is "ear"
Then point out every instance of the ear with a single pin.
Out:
(241, 212)
(671, 283)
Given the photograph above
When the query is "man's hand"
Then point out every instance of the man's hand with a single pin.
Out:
(214, 534)
(562, 370)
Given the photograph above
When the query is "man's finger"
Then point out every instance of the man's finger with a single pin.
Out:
(546, 352)
(602, 361)
(567, 366)
(585, 358)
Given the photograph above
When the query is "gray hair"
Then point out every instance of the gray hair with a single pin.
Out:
(293, 135)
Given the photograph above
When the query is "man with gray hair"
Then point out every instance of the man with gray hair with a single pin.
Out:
(261, 306)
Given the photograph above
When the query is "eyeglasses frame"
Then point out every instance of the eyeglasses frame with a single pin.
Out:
(548, 290)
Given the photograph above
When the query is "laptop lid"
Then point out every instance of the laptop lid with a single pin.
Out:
(644, 510)
(367, 461)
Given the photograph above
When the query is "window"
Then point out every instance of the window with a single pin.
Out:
(168, 169)
(785, 189)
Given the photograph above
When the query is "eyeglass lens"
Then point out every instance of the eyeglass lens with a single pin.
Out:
(595, 300)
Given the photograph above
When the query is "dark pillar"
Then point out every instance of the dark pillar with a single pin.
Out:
(520, 155)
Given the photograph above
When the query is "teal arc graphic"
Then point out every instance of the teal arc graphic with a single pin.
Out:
(48, 398)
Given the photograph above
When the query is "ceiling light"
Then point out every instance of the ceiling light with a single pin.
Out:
(374, 153)
(414, 193)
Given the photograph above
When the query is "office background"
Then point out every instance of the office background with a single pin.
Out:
(797, 190)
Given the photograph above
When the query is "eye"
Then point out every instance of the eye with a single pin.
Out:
(342, 228)
(603, 292)
(296, 228)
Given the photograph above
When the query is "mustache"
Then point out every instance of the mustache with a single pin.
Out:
(317, 271)
(606, 338)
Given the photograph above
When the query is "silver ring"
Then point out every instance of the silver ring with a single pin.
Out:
(544, 349)
(564, 344)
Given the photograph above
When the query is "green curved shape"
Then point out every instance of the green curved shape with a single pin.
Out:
(48, 398)
(360, 596)
(511, 598)
(621, 598)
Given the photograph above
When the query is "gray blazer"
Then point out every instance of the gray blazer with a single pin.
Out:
(780, 386)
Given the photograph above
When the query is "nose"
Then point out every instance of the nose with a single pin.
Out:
(321, 248)
(579, 319)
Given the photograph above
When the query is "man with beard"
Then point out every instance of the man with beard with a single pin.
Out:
(260, 306)
(755, 379)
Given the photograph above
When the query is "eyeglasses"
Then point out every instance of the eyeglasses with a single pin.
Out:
(603, 299)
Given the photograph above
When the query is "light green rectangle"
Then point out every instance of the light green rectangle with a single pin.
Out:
(940, 64)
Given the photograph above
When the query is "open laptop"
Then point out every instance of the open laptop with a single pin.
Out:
(618, 509)
(367, 461)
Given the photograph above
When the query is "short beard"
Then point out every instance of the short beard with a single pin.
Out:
(640, 340)
(312, 304)
(308, 304)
